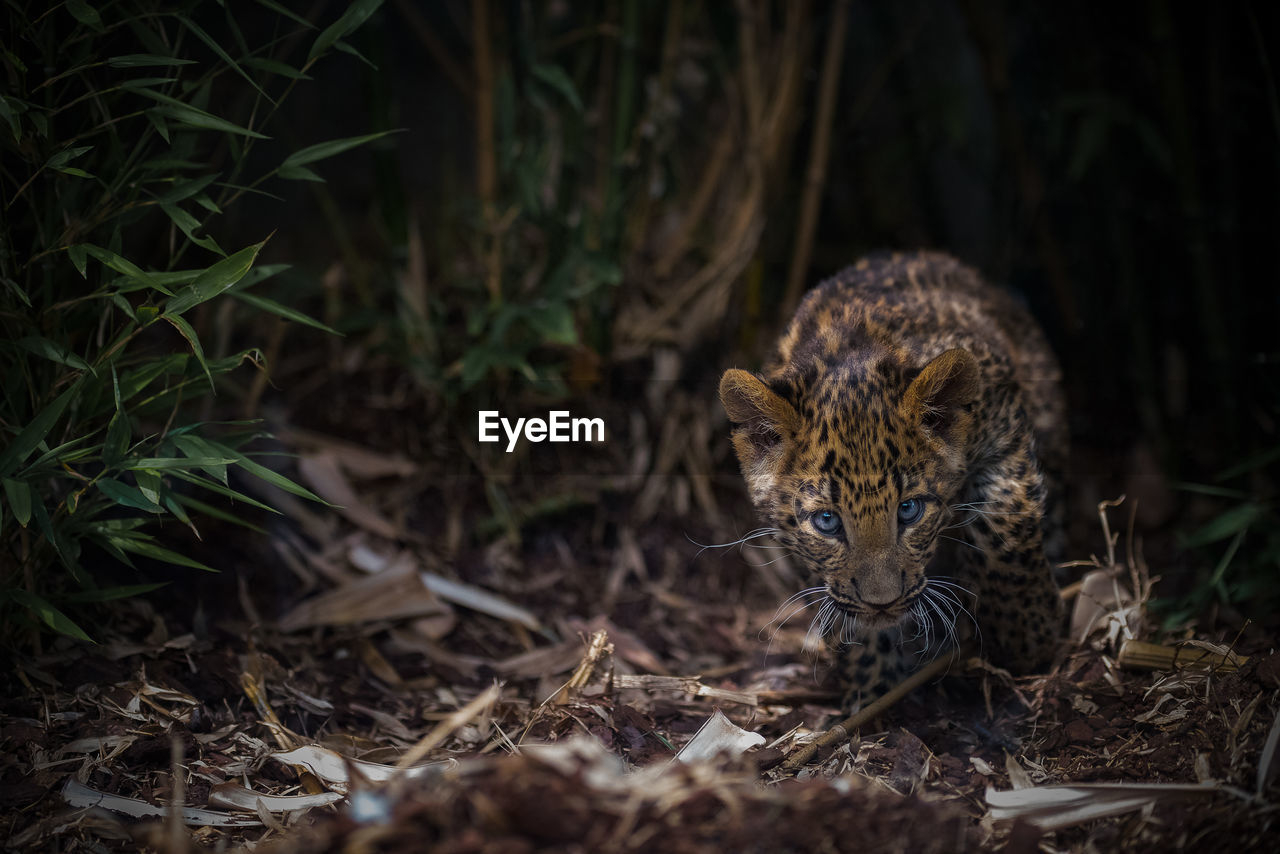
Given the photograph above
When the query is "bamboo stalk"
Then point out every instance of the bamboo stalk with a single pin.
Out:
(992, 41)
(1140, 655)
(486, 158)
(456, 73)
(700, 202)
(819, 153)
(622, 122)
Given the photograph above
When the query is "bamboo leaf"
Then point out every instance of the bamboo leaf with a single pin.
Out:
(298, 173)
(181, 111)
(272, 66)
(108, 594)
(348, 48)
(180, 512)
(1231, 522)
(216, 512)
(17, 291)
(554, 322)
(157, 121)
(291, 15)
(35, 431)
(260, 273)
(119, 432)
(64, 453)
(146, 82)
(11, 118)
(144, 60)
(274, 478)
(137, 379)
(185, 330)
(188, 225)
(214, 486)
(150, 485)
(222, 54)
(199, 448)
(125, 267)
(52, 617)
(147, 548)
(87, 15)
(161, 463)
(18, 493)
(264, 304)
(322, 150)
(213, 281)
(357, 13)
(53, 352)
(181, 191)
(80, 258)
(555, 77)
(203, 200)
(205, 121)
(127, 496)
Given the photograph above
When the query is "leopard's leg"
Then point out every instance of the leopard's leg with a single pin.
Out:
(873, 666)
(1019, 609)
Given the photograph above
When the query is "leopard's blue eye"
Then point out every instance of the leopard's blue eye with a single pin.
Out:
(827, 523)
(910, 511)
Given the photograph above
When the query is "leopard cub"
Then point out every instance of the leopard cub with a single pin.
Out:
(901, 443)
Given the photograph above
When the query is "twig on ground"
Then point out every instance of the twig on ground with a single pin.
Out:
(480, 706)
(843, 730)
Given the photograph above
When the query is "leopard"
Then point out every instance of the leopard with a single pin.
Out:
(905, 443)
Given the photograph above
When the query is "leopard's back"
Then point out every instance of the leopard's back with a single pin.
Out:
(923, 304)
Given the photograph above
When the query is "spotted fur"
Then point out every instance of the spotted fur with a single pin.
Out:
(907, 377)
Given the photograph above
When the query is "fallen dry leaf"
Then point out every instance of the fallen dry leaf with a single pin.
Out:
(1055, 807)
(718, 736)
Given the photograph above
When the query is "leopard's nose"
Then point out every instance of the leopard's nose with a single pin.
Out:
(880, 590)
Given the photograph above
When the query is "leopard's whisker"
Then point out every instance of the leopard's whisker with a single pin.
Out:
(949, 591)
(741, 541)
(797, 603)
(976, 508)
(961, 542)
(810, 593)
(923, 623)
(965, 524)
(943, 615)
(782, 556)
(848, 629)
(820, 623)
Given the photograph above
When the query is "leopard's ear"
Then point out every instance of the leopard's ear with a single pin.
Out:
(939, 398)
(761, 417)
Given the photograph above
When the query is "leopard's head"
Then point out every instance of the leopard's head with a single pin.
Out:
(855, 466)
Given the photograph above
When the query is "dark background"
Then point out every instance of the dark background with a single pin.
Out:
(1118, 165)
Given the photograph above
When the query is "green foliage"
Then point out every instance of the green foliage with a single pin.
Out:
(543, 272)
(1243, 578)
(124, 131)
